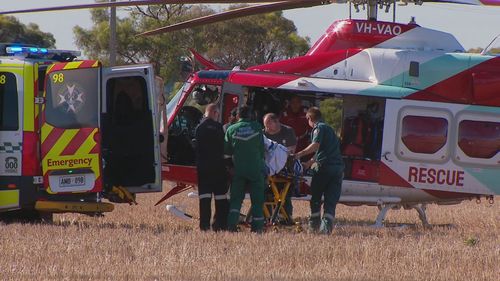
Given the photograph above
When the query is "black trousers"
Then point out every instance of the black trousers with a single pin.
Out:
(216, 188)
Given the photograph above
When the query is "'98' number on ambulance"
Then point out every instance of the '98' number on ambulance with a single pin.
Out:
(58, 78)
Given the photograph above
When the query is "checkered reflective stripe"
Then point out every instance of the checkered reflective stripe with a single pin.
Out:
(10, 147)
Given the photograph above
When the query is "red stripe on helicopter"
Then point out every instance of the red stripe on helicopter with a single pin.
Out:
(77, 141)
(306, 65)
(389, 177)
(261, 79)
(51, 140)
(345, 34)
(477, 85)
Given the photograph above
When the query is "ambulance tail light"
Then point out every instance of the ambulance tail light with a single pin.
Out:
(31, 166)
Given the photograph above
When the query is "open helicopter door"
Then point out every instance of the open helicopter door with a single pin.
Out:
(233, 96)
(70, 134)
(130, 138)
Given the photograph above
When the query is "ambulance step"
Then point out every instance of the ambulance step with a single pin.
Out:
(74, 207)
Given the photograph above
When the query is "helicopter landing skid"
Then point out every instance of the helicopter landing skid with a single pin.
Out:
(420, 208)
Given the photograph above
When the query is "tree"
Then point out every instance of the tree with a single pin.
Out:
(331, 110)
(13, 31)
(244, 42)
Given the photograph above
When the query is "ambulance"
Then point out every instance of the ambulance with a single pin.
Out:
(73, 132)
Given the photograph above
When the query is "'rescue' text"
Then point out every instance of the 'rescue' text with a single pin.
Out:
(436, 176)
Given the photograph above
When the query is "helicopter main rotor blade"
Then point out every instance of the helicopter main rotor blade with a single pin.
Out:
(130, 3)
(237, 13)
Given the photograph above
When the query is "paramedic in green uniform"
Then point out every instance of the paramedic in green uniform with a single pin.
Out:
(328, 168)
(245, 142)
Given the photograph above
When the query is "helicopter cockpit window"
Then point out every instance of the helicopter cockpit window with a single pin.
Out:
(205, 94)
(72, 98)
(190, 114)
(9, 117)
(182, 129)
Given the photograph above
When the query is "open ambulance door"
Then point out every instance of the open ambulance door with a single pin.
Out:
(70, 135)
(130, 138)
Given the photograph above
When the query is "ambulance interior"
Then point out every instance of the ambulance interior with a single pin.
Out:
(127, 130)
(358, 121)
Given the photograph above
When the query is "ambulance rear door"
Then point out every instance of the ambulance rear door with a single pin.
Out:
(131, 138)
(70, 135)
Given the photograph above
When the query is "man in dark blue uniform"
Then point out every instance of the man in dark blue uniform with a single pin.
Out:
(328, 168)
(212, 176)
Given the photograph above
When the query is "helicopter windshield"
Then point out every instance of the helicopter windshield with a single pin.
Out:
(175, 100)
(493, 49)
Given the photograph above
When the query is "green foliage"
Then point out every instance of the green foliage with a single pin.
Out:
(331, 109)
(492, 51)
(471, 241)
(13, 31)
(243, 42)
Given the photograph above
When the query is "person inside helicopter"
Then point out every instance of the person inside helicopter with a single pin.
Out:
(182, 130)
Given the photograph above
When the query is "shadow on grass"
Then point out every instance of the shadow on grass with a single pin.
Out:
(142, 227)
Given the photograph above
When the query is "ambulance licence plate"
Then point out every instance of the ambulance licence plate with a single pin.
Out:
(70, 181)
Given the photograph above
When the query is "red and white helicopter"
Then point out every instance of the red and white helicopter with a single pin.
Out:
(420, 121)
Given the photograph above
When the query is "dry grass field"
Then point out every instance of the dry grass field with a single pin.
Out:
(146, 243)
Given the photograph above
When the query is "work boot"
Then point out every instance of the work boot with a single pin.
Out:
(326, 226)
(314, 224)
(205, 213)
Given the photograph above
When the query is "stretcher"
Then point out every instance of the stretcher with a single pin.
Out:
(280, 186)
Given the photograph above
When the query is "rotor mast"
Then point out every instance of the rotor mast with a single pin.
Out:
(372, 8)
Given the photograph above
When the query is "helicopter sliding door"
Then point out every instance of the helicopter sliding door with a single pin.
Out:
(416, 136)
(440, 146)
(130, 138)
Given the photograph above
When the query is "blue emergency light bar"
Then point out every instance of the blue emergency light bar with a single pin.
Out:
(21, 50)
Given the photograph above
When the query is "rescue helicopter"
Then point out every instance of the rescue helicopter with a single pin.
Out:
(420, 120)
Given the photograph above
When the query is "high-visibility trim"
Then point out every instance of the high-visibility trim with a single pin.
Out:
(315, 215)
(220, 197)
(87, 147)
(9, 199)
(77, 141)
(62, 142)
(328, 216)
(258, 218)
(72, 65)
(247, 137)
(205, 196)
(78, 207)
(29, 91)
(234, 211)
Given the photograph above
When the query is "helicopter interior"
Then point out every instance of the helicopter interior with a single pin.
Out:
(127, 131)
(358, 121)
